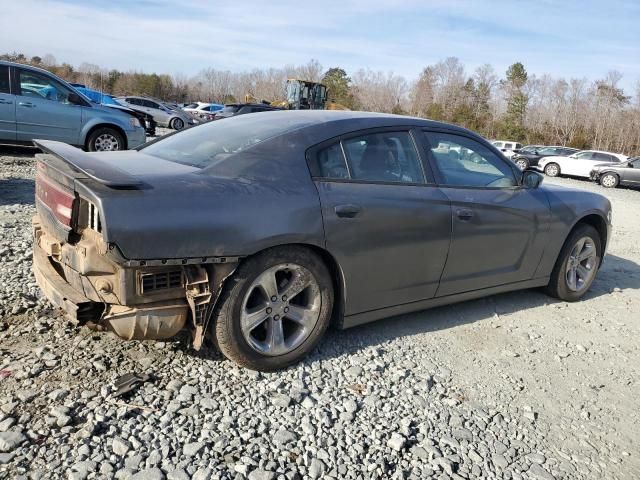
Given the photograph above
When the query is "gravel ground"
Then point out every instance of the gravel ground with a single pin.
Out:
(514, 386)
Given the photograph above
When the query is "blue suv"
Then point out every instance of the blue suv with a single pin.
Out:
(35, 104)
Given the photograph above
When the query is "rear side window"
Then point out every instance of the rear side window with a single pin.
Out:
(4, 79)
(383, 157)
(388, 157)
(331, 162)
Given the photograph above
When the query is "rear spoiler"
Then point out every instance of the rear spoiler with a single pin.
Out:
(98, 169)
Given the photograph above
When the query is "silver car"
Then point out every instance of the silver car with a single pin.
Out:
(163, 114)
(35, 104)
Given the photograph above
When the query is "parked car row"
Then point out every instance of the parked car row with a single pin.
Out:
(165, 115)
(35, 104)
(606, 168)
(109, 101)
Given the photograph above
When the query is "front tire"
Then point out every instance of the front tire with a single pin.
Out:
(609, 180)
(177, 124)
(105, 140)
(552, 170)
(522, 163)
(274, 309)
(577, 264)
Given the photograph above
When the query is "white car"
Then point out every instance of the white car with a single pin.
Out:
(507, 147)
(579, 164)
(203, 110)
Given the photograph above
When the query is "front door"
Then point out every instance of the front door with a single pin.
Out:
(499, 228)
(632, 173)
(7, 108)
(388, 228)
(43, 109)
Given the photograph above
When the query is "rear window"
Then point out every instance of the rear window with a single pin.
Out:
(214, 142)
(230, 109)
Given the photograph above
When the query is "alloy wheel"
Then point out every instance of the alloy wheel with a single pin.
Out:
(581, 265)
(552, 170)
(280, 309)
(106, 142)
(609, 181)
(522, 164)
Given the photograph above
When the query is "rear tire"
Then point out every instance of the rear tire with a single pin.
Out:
(571, 277)
(609, 180)
(552, 170)
(177, 124)
(105, 139)
(247, 318)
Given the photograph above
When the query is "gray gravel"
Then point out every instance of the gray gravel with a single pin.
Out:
(515, 386)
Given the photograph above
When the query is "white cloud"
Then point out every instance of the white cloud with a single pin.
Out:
(560, 38)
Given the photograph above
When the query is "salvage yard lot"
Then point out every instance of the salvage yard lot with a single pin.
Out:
(512, 386)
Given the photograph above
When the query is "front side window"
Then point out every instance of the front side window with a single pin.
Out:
(383, 157)
(635, 163)
(549, 151)
(4, 79)
(37, 85)
(584, 155)
(463, 161)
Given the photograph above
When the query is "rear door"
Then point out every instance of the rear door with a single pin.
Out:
(385, 222)
(499, 228)
(43, 109)
(597, 158)
(7, 107)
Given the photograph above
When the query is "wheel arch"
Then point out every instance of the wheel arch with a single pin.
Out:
(105, 125)
(596, 221)
(609, 172)
(337, 277)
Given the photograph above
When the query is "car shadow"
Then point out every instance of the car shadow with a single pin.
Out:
(18, 151)
(616, 273)
(17, 191)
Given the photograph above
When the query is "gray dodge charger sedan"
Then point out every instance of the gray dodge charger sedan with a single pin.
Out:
(260, 231)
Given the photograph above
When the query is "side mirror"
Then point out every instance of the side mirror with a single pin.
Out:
(531, 179)
(75, 99)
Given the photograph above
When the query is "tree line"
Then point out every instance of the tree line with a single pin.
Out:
(515, 106)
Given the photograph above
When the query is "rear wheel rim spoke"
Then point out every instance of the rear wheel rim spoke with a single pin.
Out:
(280, 309)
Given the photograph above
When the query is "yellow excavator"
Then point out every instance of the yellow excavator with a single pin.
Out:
(302, 95)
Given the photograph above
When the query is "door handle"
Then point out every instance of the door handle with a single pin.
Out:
(347, 211)
(26, 104)
(464, 214)
(5, 102)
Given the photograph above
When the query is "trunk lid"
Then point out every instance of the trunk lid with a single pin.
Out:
(70, 184)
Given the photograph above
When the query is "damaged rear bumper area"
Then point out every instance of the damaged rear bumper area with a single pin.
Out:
(90, 290)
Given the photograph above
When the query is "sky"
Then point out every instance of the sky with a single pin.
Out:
(563, 38)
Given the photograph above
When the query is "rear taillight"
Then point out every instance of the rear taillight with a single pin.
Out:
(56, 198)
